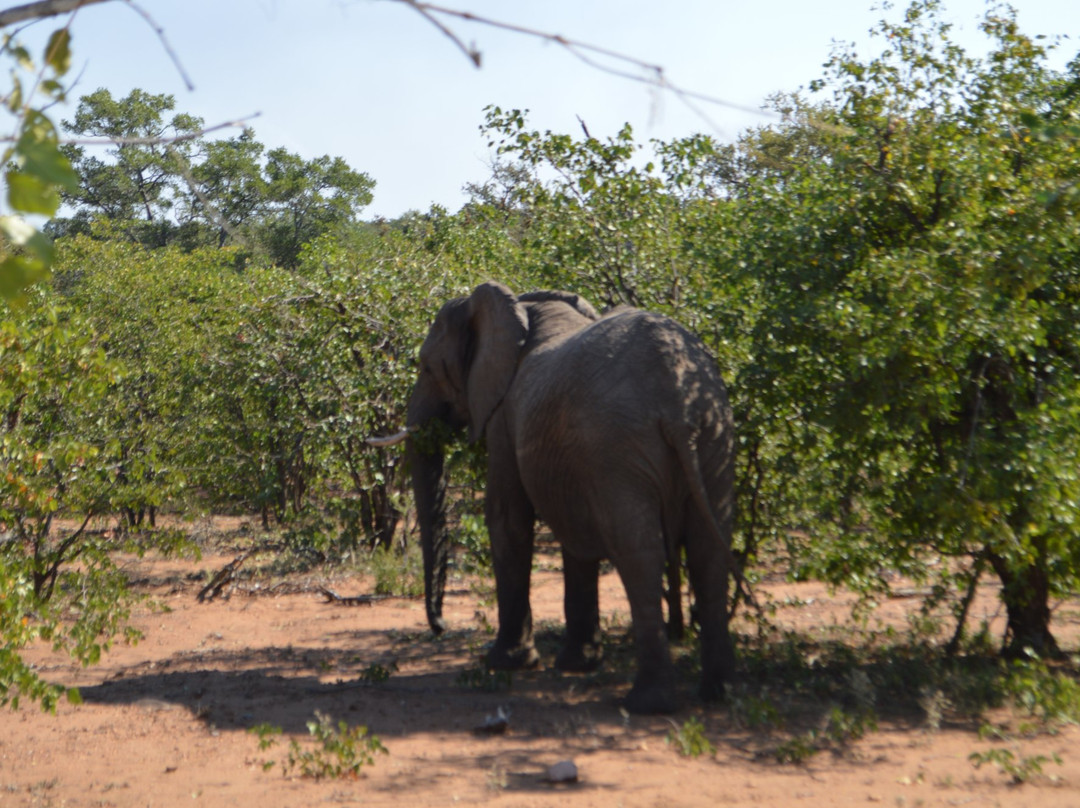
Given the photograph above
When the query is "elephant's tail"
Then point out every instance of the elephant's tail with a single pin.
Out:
(688, 459)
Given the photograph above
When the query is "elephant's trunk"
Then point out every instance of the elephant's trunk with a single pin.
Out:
(429, 493)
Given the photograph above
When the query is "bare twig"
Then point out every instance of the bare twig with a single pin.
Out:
(239, 123)
(163, 40)
(471, 52)
(965, 605)
(225, 576)
(651, 74)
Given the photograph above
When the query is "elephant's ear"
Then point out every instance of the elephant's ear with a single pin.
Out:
(499, 325)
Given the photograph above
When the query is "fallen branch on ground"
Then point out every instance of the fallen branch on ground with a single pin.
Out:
(355, 600)
(225, 576)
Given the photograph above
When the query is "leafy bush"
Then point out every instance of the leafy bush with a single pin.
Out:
(61, 583)
(398, 572)
(912, 374)
(1020, 768)
(340, 751)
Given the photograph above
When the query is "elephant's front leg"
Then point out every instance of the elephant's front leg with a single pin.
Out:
(510, 520)
(582, 649)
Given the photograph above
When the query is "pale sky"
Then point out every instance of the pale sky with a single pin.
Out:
(375, 83)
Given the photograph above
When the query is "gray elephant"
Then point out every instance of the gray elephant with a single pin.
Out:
(617, 432)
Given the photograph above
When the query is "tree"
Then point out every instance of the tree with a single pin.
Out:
(914, 353)
(229, 187)
(165, 182)
(140, 186)
(307, 198)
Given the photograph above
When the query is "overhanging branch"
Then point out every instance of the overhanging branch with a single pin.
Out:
(44, 8)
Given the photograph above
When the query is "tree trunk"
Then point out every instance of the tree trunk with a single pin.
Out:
(378, 516)
(1026, 594)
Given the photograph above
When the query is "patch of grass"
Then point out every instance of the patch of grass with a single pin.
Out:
(480, 678)
(689, 739)
(1049, 696)
(934, 704)
(798, 749)
(267, 735)
(398, 572)
(497, 779)
(849, 668)
(840, 730)
(1020, 769)
(754, 712)
(377, 674)
(844, 727)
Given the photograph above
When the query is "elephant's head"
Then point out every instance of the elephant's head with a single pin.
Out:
(467, 364)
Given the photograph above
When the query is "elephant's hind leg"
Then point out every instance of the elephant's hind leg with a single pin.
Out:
(707, 563)
(582, 650)
(641, 563)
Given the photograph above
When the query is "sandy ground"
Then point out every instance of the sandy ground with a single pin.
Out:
(166, 722)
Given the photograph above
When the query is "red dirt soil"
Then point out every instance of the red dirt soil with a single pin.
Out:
(165, 722)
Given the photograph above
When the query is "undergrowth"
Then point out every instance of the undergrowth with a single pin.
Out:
(340, 751)
(806, 695)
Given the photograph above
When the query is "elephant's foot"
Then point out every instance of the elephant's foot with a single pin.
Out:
(503, 658)
(651, 699)
(580, 658)
(717, 666)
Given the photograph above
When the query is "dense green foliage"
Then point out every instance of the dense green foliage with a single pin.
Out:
(59, 457)
(35, 170)
(915, 354)
(889, 278)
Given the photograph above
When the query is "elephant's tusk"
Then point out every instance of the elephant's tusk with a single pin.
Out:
(385, 441)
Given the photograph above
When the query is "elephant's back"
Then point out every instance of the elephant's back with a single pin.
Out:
(593, 420)
(638, 364)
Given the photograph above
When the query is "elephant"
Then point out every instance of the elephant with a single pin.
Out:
(616, 431)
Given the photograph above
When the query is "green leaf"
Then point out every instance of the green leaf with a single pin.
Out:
(16, 273)
(74, 696)
(15, 97)
(43, 159)
(28, 193)
(58, 51)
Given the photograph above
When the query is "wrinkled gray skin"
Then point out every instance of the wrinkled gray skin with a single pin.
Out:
(615, 430)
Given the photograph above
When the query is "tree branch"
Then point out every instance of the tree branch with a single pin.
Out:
(45, 8)
(239, 123)
(653, 74)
